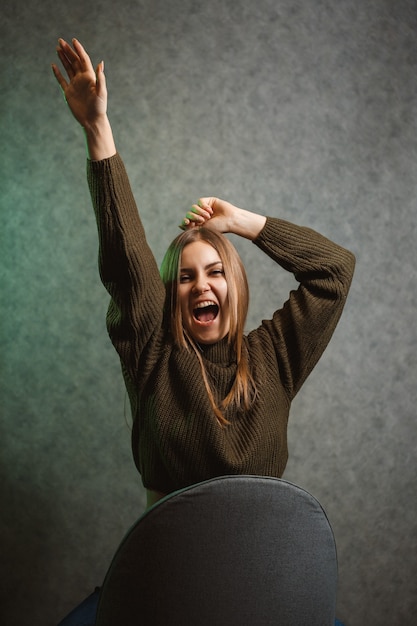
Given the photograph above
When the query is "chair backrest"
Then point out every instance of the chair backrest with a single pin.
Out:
(234, 550)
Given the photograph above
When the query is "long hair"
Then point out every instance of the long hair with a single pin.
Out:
(243, 389)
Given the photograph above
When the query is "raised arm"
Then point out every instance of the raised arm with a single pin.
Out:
(86, 95)
(301, 329)
(127, 266)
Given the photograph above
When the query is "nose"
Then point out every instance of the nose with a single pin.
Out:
(200, 285)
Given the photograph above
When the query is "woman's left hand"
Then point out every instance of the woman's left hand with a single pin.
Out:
(197, 216)
(224, 217)
(211, 213)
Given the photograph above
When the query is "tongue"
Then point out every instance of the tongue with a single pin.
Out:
(207, 314)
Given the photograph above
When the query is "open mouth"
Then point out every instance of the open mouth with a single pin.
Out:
(206, 312)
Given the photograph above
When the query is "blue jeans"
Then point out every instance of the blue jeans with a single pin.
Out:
(85, 613)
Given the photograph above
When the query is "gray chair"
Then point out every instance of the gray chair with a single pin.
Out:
(231, 551)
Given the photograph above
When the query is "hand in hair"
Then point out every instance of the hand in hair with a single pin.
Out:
(224, 217)
(197, 216)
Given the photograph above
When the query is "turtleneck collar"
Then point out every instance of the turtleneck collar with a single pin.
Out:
(220, 352)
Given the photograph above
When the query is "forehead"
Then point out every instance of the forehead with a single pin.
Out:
(199, 253)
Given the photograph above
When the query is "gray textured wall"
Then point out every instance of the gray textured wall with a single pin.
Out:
(299, 109)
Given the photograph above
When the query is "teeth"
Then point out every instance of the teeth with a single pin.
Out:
(201, 305)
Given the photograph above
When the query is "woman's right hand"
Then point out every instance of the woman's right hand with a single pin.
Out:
(85, 91)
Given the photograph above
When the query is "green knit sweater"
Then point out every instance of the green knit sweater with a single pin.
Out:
(176, 439)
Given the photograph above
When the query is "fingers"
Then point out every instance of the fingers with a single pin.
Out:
(207, 202)
(101, 81)
(68, 57)
(197, 216)
(199, 213)
(61, 80)
(73, 59)
(84, 59)
(184, 224)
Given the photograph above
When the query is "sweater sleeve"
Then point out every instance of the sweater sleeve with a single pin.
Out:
(127, 266)
(300, 331)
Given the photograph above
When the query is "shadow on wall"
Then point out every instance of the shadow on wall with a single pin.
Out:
(36, 535)
(27, 541)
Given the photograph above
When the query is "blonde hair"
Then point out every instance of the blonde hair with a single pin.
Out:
(243, 389)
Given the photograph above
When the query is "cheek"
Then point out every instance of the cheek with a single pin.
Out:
(225, 295)
(226, 303)
(183, 299)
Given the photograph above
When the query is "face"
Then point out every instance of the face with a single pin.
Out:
(202, 292)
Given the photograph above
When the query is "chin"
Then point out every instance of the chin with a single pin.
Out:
(207, 338)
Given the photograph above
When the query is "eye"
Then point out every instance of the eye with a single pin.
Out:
(217, 272)
(184, 278)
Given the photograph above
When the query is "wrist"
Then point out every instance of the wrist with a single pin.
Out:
(99, 139)
(247, 224)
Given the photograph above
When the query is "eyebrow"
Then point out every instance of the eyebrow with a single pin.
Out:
(207, 267)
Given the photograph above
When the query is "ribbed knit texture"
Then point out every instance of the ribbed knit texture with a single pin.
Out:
(176, 439)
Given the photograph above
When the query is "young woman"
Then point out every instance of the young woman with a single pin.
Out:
(206, 399)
